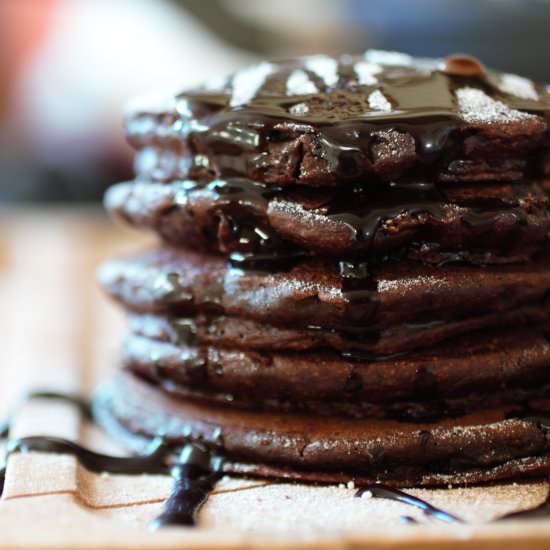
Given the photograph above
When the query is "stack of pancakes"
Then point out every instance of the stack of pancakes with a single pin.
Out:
(353, 275)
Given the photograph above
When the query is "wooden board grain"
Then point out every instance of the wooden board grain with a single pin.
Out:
(59, 331)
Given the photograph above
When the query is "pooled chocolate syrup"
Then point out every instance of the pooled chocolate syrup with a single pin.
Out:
(345, 104)
(195, 471)
(383, 491)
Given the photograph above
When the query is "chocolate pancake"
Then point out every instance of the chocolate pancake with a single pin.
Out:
(320, 120)
(480, 362)
(247, 334)
(182, 282)
(353, 276)
(490, 444)
(487, 222)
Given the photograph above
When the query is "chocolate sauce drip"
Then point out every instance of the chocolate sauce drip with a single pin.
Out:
(383, 491)
(195, 475)
(360, 290)
(196, 470)
(364, 210)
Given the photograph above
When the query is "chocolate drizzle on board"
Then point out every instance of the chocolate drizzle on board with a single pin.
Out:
(195, 471)
(383, 491)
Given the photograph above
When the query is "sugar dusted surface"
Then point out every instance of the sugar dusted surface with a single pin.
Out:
(476, 106)
(282, 510)
(366, 72)
(299, 83)
(379, 102)
(247, 82)
(519, 86)
(324, 67)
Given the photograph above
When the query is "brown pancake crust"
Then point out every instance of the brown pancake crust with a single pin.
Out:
(476, 363)
(247, 334)
(490, 223)
(477, 447)
(182, 282)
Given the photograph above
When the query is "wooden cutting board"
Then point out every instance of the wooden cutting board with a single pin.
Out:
(58, 331)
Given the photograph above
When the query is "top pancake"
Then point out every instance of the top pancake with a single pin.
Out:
(320, 121)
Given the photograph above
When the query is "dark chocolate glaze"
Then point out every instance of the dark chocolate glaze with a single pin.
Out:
(228, 129)
(383, 491)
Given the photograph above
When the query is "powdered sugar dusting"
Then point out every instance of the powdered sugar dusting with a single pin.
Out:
(383, 57)
(366, 72)
(247, 82)
(299, 83)
(476, 106)
(317, 511)
(519, 86)
(379, 102)
(325, 67)
(299, 109)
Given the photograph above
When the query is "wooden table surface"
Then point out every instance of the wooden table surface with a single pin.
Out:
(59, 331)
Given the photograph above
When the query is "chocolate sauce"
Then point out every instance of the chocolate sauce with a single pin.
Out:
(195, 474)
(364, 212)
(384, 491)
(542, 511)
(151, 463)
(195, 471)
(257, 110)
(81, 403)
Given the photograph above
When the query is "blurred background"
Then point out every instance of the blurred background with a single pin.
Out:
(68, 66)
